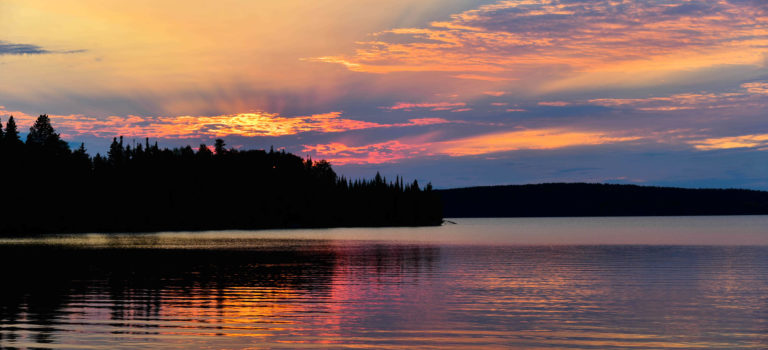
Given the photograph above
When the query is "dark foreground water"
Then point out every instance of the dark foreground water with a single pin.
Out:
(592, 283)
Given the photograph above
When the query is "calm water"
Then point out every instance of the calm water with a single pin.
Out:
(581, 283)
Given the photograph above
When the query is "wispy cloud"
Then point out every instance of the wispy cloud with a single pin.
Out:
(435, 106)
(749, 94)
(497, 42)
(481, 77)
(7, 48)
(376, 153)
(527, 139)
(554, 103)
(393, 150)
(759, 141)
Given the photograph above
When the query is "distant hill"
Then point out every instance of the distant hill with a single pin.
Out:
(582, 199)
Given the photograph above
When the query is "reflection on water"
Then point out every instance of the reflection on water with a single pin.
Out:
(234, 290)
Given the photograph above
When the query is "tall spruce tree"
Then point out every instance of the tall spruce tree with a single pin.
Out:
(116, 151)
(11, 137)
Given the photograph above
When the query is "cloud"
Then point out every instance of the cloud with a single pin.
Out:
(435, 106)
(254, 124)
(480, 77)
(512, 39)
(759, 141)
(756, 88)
(554, 103)
(526, 139)
(7, 48)
(394, 150)
(749, 95)
(377, 153)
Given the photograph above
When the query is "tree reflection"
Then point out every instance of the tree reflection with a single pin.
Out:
(52, 287)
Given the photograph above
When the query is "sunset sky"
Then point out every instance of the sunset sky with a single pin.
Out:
(457, 92)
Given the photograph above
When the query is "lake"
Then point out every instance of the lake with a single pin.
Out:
(528, 283)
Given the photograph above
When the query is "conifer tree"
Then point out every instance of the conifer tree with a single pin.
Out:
(11, 137)
(80, 156)
(203, 151)
(115, 153)
(41, 131)
(219, 147)
(42, 135)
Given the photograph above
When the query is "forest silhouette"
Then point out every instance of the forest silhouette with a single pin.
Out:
(49, 188)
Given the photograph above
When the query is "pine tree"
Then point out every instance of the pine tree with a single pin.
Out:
(115, 153)
(219, 147)
(80, 156)
(41, 131)
(11, 137)
(204, 151)
(42, 135)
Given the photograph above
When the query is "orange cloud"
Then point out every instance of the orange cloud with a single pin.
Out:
(756, 88)
(743, 141)
(480, 77)
(339, 153)
(526, 139)
(554, 103)
(242, 124)
(508, 39)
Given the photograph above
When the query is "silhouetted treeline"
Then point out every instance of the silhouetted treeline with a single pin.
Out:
(46, 187)
(581, 199)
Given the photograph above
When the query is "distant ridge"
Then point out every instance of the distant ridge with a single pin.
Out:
(584, 199)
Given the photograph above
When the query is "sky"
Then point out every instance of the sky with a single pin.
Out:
(455, 92)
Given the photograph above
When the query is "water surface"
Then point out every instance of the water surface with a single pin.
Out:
(581, 283)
